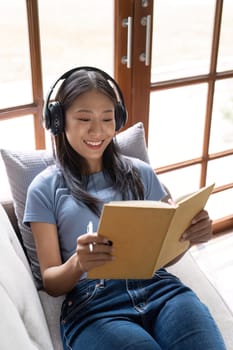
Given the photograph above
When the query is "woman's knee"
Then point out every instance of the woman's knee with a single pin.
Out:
(114, 335)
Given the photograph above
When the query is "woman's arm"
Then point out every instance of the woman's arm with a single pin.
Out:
(59, 278)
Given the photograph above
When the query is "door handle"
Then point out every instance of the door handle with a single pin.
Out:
(128, 22)
(145, 56)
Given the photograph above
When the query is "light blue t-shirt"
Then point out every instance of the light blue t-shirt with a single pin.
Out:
(49, 200)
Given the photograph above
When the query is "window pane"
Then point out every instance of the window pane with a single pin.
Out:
(182, 181)
(225, 59)
(76, 33)
(222, 118)
(15, 82)
(220, 204)
(182, 38)
(176, 124)
(218, 171)
(15, 134)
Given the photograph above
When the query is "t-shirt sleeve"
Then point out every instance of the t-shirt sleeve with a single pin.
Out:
(39, 202)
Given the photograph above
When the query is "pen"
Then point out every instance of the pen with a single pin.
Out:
(90, 230)
(90, 227)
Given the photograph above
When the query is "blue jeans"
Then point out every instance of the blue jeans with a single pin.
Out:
(160, 313)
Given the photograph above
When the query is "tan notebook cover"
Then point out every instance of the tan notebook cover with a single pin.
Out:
(146, 234)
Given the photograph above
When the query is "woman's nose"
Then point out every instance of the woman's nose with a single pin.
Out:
(95, 127)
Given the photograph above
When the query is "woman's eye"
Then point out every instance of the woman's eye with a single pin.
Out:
(84, 119)
(108, 119)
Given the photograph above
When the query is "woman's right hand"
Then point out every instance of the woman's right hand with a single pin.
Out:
(93, 250)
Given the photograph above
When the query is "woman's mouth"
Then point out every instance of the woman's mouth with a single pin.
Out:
(93, 143)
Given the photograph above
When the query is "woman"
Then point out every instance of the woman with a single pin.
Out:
(159, 313)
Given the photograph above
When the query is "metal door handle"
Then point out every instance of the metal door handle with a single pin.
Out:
(145, 56)
(127, 22)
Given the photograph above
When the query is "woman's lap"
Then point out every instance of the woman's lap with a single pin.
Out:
(158, 314)
(185, 323)
(114, 334)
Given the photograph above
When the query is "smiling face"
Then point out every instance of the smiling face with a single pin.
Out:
(90, 126)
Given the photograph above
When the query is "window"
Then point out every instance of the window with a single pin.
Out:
(182, 91)
(190, 136)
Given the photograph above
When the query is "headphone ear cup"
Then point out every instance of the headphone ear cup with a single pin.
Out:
(120, 116)
(55, 121)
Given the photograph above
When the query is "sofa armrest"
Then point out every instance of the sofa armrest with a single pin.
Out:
(9, 208)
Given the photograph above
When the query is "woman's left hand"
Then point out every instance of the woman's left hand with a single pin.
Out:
(200, 230)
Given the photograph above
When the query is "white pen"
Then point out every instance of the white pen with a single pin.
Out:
(90, 230)
(90, 227)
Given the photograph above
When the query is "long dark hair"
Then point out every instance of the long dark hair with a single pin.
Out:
(125, 178)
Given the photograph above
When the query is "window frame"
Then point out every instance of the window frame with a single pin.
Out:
(134, 82)
(35, 108)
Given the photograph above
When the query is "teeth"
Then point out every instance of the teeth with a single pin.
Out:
(94, 143)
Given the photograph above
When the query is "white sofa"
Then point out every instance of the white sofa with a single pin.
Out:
(30, 318)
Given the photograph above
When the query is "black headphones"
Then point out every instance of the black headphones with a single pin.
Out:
(53, 113)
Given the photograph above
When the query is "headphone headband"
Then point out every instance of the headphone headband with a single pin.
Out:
(53, 113)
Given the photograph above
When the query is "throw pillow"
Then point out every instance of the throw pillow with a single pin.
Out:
(23, 166)
(132, 142)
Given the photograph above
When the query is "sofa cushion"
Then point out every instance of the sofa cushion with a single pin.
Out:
(190, 274)
(22, 167)
(52, 308)
(21, 309)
